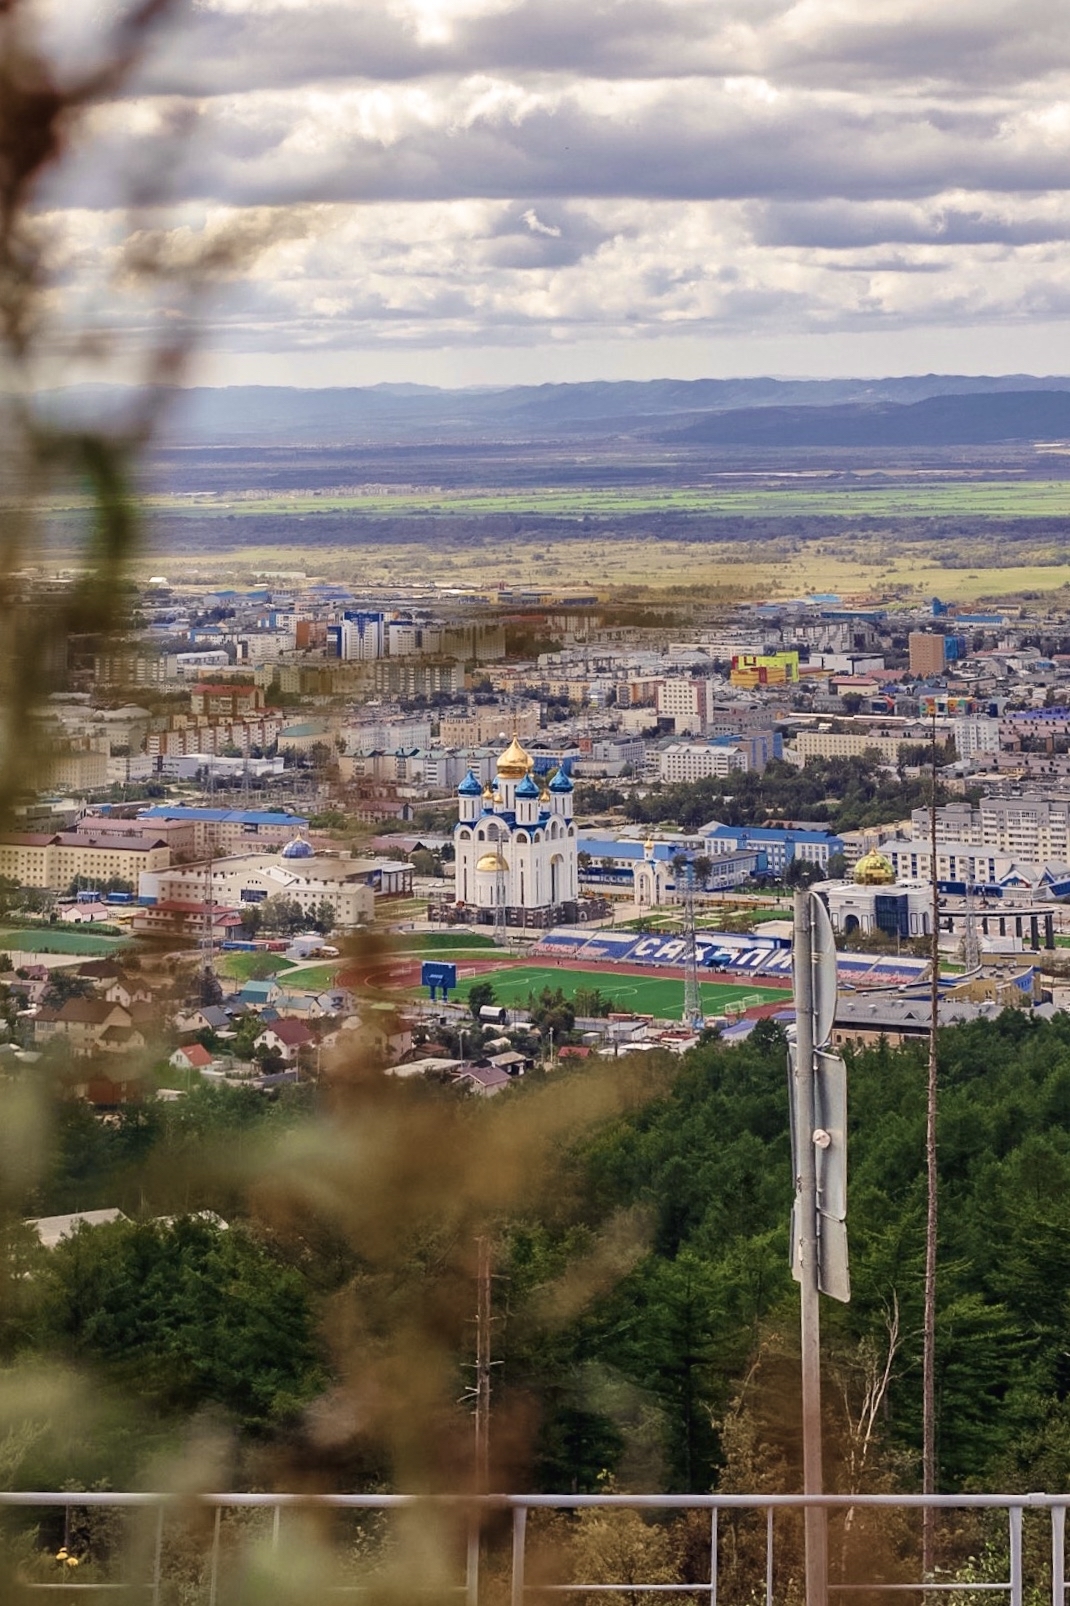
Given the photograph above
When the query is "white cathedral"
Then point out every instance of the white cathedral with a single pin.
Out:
(515, 844)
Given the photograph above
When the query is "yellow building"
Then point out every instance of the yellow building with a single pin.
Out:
(751, 669)
(53, 861)
(847, 744)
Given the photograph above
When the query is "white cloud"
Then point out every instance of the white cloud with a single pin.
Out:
(508, 172)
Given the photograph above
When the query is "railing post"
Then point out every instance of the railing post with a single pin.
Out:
(471, 1571)
(713, 1557)
(213, 1573)
(276, 1523)
(1058, 1555)
(769, 1555)
(157, 1559)
(520, 1522)
(1015, 1517)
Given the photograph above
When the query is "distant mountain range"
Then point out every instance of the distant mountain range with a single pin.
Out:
(927, 410)
(979, 420)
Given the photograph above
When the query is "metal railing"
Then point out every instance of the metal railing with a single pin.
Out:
(471, 1514)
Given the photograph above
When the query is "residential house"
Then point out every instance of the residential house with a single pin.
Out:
(193, 1057)
(259, 994)
(285, 1039)
(83, 1022)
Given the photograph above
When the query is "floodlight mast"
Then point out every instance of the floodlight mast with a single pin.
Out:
(805, 1248)
(693, 1016)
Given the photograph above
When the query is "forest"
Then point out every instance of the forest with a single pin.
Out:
(298, 1277)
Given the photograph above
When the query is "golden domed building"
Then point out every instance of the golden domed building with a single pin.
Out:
(871, 900)
(515, 844)
(874, 870)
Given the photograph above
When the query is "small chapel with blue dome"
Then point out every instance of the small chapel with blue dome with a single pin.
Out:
(515, 844)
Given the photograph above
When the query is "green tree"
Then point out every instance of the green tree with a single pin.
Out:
(62, 985)
(481, 995)
(550, 1012)
(185, 1315)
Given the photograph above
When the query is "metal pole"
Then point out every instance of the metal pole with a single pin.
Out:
(928, 1359)
(713, 1559)
(471, 1571)
(806, 1218)
(1058, 1555)
(483, 1324)
(1015, 1519)
(520, 1519)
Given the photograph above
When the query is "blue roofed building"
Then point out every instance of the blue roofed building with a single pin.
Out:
(782, 845)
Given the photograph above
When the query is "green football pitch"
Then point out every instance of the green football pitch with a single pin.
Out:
(58, 939)
(662, 996)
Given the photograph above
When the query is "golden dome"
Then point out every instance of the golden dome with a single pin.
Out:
(874, 870)
(488, 792)
(492, 862)
(648, 846)
(514, 763)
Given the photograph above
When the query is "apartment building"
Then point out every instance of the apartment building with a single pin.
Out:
(53, 861)
(1032, 827)
(480, 725)
(696, 761)
(931, 654)
(686, 701)
(975, 734)
(847, 744)
(225, 700)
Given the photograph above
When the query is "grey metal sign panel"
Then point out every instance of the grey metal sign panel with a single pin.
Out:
(824, 970)
(833, 1275)
(830, 1119)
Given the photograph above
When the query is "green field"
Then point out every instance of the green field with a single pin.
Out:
(643, 995)
(57, 940)
(790, 498)
(313, 980)
(244, 966)
(434, 942)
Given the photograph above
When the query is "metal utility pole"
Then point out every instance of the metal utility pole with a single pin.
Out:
(818, 1107)
(806, 1248)
(693, 1015)
(928, 1361)
(483, 1366)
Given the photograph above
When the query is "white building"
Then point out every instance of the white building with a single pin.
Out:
(362, 636)
(1030, 827)
(694, 761)
(974, 733)
(296, 873)
(515, 845)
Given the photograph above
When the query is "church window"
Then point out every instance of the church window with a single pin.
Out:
(465, 836)
(521, 836)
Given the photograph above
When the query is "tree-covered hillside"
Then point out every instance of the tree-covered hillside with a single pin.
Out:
(645, 1317)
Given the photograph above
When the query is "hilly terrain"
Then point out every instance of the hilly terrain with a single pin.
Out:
(970, 409)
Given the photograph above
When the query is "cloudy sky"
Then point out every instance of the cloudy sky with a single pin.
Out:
(473, 191)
